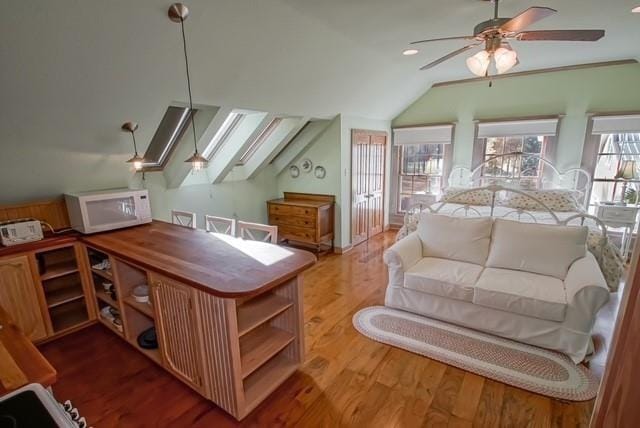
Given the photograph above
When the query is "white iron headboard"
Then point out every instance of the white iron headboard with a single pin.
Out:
(544, 176)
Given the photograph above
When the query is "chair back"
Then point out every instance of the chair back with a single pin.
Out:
(220, 225)
(267, 233)
(183, 218)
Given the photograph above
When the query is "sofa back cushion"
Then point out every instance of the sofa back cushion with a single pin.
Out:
(545, 249)
(455, 238)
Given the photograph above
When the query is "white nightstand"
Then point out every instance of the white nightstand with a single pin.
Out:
(619, 216)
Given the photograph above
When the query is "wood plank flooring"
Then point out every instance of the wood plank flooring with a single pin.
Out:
(347, 379)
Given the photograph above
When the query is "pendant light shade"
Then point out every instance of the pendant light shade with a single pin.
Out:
(136, 160)
(177, 13)
(478, 64)
(505, 59)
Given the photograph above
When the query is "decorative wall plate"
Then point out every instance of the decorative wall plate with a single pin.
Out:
(320, 172)
(294, 171)
(306, 165)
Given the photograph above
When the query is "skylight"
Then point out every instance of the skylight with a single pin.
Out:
(172, 126)
(228, 126)
(255, 144)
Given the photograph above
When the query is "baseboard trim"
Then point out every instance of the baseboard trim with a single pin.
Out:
(343, 250)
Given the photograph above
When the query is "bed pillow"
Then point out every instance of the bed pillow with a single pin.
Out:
(455, 238)
(556, 199)
(475, 197)
(546, 249)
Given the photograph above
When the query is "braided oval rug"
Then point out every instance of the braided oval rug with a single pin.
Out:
(524, 366)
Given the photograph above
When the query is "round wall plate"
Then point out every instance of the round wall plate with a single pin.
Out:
(294, 171)
(306, 165)
(320, 172)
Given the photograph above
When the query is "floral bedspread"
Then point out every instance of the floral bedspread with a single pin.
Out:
(607, 255)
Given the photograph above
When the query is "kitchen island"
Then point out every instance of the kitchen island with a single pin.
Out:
(227, 312)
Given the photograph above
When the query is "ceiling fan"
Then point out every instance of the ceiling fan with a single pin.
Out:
(495, 33)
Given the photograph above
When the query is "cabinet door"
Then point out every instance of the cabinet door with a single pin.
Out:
(18, 296)
(176, 327)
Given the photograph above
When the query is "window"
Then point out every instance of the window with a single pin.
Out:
(226, 129)
(613, 149)
(525, 163)
(172, 127)
(255, 144)
(421, 168)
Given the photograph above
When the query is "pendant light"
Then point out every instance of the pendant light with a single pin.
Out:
(178, 12)
(136, 160)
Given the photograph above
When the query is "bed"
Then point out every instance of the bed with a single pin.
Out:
(527, 188)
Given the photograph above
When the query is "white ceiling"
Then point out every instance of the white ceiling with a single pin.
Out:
(74, 70)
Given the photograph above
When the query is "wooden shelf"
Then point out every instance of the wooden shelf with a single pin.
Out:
(67, 316)
(63, 296)
(266, 379)
(145, 308)
(101, 295)
(154, 354)
(258, 346)
(103, 273)
(59, 269)
(110, 325)
(257, 311)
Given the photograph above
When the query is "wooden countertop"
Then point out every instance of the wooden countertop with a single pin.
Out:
(49, 240)
(20, 361)
(217, 264)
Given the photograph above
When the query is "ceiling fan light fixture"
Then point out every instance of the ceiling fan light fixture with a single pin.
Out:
(410, 52)
(479, 63)
(636, 9)
(505, 59)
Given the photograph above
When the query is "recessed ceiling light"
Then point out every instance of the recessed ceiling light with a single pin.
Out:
(409, 52)
(636, 9)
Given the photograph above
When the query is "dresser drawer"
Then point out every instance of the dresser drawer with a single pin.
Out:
(291, 210)
(617, 214)
(284, 220)
(297, 233)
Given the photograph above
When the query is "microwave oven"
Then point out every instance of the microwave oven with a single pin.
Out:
(92, 212)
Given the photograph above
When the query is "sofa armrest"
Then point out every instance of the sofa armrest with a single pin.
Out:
(401, 256)
(587, 292)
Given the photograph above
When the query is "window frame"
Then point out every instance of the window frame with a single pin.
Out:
(173, 141)
(546, 141)
(399, 174)
(259, 140)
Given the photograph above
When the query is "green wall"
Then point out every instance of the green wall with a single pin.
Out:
(572, 93)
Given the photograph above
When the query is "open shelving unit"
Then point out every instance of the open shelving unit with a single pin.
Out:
(137, 316)
(269, 351)
(64, 295)
(104, 299)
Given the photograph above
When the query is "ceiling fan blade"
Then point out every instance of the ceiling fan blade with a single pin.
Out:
(526, 18)
(443, 38)
(566, 35)
(449, 56)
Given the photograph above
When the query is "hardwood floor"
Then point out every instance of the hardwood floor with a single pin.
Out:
(347, 379)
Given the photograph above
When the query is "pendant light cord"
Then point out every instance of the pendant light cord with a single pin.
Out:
(135, 148)
(186, 63)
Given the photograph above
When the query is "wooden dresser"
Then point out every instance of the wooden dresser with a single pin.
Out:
(304, 217)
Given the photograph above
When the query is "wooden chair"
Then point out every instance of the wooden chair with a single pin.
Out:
(220, 224)
(183, 218)
(246, 230)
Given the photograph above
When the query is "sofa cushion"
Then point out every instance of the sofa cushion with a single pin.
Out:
(523, 293)
(446, 278)
(455, 238)
(537, 248)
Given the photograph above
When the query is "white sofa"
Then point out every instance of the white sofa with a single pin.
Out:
(528, 282)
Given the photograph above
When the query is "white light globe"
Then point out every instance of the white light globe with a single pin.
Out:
(479, 63)
(505, 59)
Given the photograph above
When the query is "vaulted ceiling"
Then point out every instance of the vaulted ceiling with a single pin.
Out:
(73, 71)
